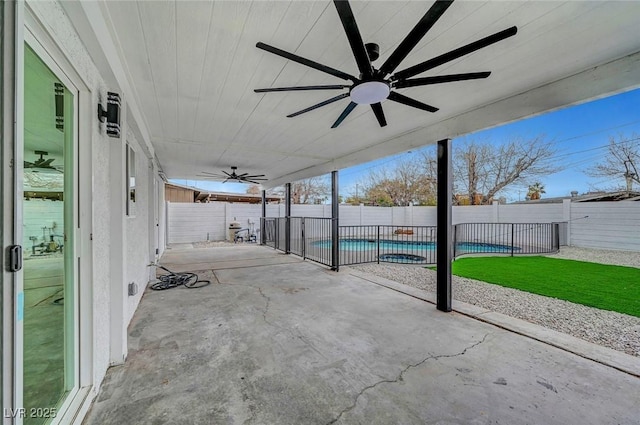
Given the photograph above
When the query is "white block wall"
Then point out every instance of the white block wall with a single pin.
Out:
(612, 225)
(523, 213)
(472, 214)
(607, 225)
(194, 222)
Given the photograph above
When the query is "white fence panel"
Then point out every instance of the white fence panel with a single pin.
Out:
(307, 211)
(350, 215)
(377, 215)
(425, 216)
(248, 215)
(194, 222)
(523, 213)
(606, 225)
(401, 216)
(273, 210)
(473, 214)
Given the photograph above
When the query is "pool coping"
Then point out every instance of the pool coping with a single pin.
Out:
(588, 350)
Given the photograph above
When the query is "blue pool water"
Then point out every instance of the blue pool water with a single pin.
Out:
(391, 245)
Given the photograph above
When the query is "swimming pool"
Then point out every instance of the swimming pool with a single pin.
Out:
(354, 244)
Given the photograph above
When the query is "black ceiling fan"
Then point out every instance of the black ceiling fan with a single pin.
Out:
(41, 164)
(233, 176)
(373, 85)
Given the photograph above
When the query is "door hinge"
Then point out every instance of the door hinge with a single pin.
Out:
(90, 236)
(15, 258)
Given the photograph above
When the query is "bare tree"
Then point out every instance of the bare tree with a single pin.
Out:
(622, 161)
(482, 170)
(253, 189)
(401, 185)
(314, 190)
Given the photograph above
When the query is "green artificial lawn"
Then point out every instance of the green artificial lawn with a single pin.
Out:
(602, 286)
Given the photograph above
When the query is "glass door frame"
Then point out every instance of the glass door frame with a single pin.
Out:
(10, 115)
(20, 25)
(72, 369)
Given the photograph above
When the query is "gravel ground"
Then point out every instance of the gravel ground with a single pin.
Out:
(607, 328)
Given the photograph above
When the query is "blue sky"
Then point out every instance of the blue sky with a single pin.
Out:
(580, 133)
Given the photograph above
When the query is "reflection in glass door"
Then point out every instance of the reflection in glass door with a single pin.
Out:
(48, 226)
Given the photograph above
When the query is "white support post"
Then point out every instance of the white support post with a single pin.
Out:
(566, 216)
(117, 253)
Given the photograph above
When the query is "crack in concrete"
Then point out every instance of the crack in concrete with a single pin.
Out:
(400, 377)
(266, 307)
(294, 333)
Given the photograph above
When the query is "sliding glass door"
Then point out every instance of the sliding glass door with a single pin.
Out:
(50, 316)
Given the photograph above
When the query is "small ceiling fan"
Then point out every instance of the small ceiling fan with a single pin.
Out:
(373, 85)
(233, 176)
(41, 164)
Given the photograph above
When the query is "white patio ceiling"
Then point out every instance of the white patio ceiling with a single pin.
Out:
(192, 67)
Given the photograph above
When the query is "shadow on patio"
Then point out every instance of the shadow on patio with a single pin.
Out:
(275, 340)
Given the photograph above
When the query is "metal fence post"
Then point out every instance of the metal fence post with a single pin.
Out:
(304, 240)
(335, 223)
(263, 210)
(512, 236)
(378, 245)
(455, 239)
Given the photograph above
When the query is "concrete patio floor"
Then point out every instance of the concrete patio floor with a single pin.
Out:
(275, 340)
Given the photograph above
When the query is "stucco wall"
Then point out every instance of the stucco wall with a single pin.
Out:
(137, 229)
(55, 23)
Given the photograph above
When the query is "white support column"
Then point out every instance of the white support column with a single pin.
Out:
(496, 212)
(152, 214)
(566, 216)
(117, 252)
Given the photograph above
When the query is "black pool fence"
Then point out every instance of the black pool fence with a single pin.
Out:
(310, 238)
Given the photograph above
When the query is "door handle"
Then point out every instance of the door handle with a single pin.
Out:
(15, 258)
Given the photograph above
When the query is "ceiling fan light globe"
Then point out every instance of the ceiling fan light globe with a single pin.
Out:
(370, 92)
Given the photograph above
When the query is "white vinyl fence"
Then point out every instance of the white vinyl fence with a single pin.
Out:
(608, 225)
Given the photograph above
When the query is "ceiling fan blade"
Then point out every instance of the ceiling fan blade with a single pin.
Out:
(377, 109)
(354, 37)
(254, 176)
(307, 62)
(211, 174)
(425, 81)
(302, 88)
(318, 105)
(400, 98)
(200, 176)
(344, 114)
(455, 54)
(414, 37)
(230, 175)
